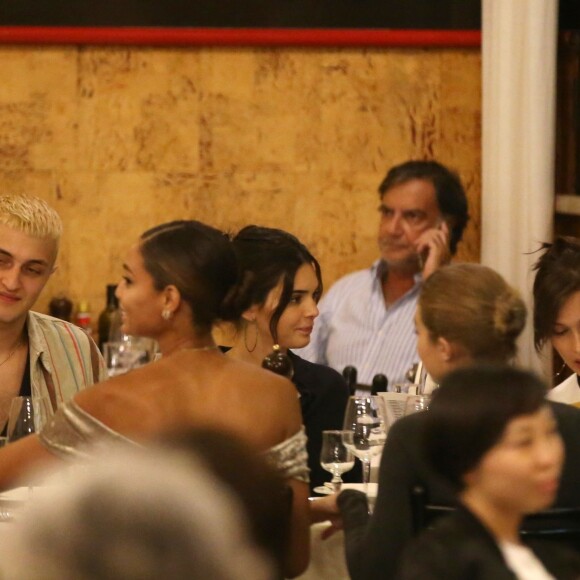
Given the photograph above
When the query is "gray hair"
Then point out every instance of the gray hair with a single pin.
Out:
(134, 515)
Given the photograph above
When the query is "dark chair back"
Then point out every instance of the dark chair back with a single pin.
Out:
(560, 525)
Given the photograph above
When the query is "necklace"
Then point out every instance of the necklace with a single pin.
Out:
(190, 348)
(11, 353)
(200, 348)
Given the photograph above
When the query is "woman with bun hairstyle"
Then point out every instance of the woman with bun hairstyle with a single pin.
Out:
(281, 284)
(178, 281)
(466, 314)
(557, 311)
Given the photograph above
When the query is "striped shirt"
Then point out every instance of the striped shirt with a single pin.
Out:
(63, 359)
(356, 328)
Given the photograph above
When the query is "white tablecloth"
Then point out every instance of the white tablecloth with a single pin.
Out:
(327, 558)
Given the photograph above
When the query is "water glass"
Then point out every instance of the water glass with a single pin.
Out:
(122, 356)
(365, 430)
(416, 403)
(335, 457)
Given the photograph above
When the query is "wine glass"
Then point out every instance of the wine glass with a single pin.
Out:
(27, 415)
(365, 430)
(416, 403)
(122, 356)
(335, 457)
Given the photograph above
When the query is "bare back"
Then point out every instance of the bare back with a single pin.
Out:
(193, 388)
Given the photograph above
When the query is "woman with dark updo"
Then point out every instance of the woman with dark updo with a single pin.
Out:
(282, 285)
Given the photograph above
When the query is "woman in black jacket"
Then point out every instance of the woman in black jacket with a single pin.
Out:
(491, 433)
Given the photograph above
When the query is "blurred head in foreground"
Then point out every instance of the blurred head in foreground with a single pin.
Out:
(134, 515)
(490, 431)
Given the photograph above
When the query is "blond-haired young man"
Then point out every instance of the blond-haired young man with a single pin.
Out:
(39, 354)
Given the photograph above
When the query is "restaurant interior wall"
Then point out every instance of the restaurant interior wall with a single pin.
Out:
(119, 139)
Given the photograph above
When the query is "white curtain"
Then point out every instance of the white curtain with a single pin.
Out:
(519, 76)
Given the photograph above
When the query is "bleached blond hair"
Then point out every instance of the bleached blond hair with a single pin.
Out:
(30, 215)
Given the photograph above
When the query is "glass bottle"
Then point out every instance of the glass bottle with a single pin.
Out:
(110, 317)
(83, 317)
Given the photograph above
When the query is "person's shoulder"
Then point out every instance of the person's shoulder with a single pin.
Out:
(256, 377)
(408, 427)
(433, 554)
(355, 278)
(44, 322)
(309, 371)
(565, 413)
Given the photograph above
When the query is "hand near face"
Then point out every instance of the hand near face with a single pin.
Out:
(433, 249)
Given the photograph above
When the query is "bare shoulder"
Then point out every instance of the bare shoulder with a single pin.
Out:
(260, 378)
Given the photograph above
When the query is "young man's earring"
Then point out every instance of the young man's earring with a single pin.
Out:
(166, 314)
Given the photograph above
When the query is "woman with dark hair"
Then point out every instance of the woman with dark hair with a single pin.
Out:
(281, 286)
(178, 281)
(490, 432)
(557, 311)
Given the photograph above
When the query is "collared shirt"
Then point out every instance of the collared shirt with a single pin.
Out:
(356, 328)
(567, 392)
(63, 359)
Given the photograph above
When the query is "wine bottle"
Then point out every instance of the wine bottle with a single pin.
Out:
(83, 317)
(109, 317)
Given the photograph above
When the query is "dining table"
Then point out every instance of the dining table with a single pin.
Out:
(327, 557)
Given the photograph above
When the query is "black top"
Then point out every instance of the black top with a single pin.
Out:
(374, 546)
(323, 398)
(459, 547)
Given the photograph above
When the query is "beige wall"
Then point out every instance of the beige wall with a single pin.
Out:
(120, 139)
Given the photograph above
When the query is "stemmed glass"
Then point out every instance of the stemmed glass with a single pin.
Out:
(335, 457)
(27, 415)
(365, 430)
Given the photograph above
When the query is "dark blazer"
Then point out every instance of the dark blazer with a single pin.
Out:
(374, 546)
(460, 548)
(323, 398)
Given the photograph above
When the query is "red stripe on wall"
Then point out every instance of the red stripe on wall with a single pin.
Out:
(239, 36)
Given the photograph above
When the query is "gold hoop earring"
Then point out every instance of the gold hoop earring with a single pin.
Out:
(253, 322)
(166, 314)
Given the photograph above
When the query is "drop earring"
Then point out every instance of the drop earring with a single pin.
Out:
(278, 362)
(561, 370)
(166, 314)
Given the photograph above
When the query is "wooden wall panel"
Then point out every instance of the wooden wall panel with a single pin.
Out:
(120, 139)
